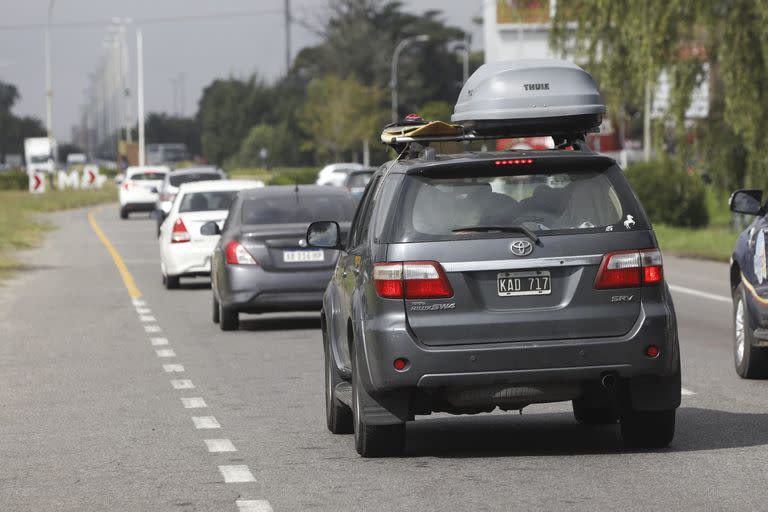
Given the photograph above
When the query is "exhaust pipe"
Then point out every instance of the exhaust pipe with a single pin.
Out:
(608, 381)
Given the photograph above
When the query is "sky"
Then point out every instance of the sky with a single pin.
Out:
(200, 49)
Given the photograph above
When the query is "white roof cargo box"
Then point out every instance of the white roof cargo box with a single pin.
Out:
(530, 97)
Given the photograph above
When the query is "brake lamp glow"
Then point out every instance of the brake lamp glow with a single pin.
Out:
(238, 255)
(179, 234)
(411, 280)
(127, 184)
(630, 269)
(515, 161)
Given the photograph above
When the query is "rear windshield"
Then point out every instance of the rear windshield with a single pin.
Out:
(149, 175)
(207, 201)
(289, 210)
(189, 178)
(448, 208)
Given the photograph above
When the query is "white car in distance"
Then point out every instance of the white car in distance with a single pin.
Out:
(335, 174)
(184, 252)
(139, 189)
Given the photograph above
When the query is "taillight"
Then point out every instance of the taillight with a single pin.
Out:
(167, 196)
(630, 269)
(179, 234)
(127, 184)
(411, 280)
(238, 255)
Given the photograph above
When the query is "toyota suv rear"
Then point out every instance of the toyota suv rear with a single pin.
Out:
(498, 280)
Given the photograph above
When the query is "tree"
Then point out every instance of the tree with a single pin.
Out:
(628, 43)
(228, 110)
(13, 130)
(276, 139)
(340, 113)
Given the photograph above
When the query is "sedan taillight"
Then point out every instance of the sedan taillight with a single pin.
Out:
(630, 269)
(179, 234)
(411, 280)
(238, 255)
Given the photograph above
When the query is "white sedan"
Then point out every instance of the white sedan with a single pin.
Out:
(335, 174)
(184, 252)
(139, 189)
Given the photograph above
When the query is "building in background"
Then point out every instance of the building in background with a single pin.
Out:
(517, 29)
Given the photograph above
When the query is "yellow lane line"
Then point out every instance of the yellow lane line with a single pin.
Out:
(130, 284)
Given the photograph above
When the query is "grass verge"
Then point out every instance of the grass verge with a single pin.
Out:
(21, 229)
(713, 243)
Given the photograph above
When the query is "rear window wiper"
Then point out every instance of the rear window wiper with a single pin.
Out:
(504, 229)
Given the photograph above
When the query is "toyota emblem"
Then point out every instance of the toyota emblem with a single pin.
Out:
(521, 247)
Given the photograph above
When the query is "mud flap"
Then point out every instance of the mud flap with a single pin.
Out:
(654, 392)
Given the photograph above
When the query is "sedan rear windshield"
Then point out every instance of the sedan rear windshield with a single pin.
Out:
(179, 179)
(462, 205)
(147, 176)
(293, 210)
(207, 201)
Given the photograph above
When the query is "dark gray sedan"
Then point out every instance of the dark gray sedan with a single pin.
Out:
(262, 262)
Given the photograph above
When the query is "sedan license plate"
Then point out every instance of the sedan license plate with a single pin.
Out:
(536, 282)
(303, 256)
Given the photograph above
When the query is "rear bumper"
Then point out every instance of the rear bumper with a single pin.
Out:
(138, 207)
(253, 290)
(574, 361)
(188, 259)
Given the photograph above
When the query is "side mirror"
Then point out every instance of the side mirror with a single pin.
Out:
(325, 234)
(747, 201)
(210, 228)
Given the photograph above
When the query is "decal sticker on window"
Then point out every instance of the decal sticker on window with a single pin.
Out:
(760, 264)
(630, 222)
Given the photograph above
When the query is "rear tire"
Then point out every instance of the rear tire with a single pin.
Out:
(751, 362)
(171, 282)
(123, 213)
(648, 429)
(215, 315)
(229, 320)
(338, 415)
(594, 415)
(373, 440)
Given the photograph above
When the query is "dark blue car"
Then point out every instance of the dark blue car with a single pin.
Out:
(749, 285)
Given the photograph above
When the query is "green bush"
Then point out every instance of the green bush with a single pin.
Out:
(14, 180)
(292, 176)
(669, 194)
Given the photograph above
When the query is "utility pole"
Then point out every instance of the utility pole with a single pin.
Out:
(48, 78)
(287, 36)
(140, 91)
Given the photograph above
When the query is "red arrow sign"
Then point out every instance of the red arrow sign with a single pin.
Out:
(37, 183)
(91, 177)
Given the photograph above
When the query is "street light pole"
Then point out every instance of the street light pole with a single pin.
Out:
(393, 69)
(48, 78)
(140, 92)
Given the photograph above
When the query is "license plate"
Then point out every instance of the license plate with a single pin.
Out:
(303, 256)
(535, 282)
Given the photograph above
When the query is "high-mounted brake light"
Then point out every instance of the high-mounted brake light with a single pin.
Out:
(630, 269)
(238, 255)
(515, 161)
(179, 234)
(411, 280)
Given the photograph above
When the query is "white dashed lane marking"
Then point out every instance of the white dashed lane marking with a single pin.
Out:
(159, 341)
(165, 352)
(205, 422)
(182, 384)
(220, 445)
(144, 311)
(236, 474)
(253, 506)
(686, 392)
(193, 402)
(699, 293)
(147, 318)
(171, 368)
(138, 302)
(152, 328)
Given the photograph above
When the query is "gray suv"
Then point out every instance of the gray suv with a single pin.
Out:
(498, 280)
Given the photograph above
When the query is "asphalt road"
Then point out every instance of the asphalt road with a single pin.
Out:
(91, 420)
